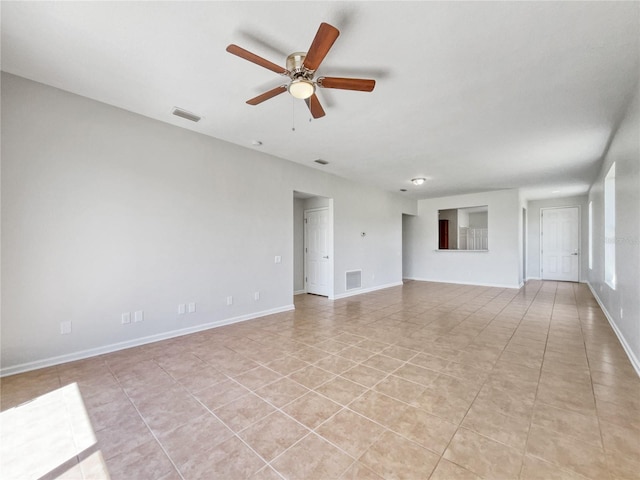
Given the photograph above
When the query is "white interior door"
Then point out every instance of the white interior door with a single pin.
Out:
(316, 249)
(560, 244)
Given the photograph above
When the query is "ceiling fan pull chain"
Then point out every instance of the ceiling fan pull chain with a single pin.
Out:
(293, 115)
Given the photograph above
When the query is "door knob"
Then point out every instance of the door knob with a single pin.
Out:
(574, 253)
(327, 256)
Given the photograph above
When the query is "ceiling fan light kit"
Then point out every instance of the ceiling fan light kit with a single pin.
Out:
(302, 88)
(301, 68)
(418, 181)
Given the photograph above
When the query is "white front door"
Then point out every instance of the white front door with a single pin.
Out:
(560, 244)
(316, 250)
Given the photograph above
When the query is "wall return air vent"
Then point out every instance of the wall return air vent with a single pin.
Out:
(353, 279)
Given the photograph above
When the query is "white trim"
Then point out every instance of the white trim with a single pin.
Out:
(534, 278)
(351, 293)
(299, 292)
(460, 250)
(476, 284)
(114, 347)
(635, 363)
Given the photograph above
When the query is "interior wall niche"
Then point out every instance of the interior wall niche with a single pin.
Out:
(463, 228)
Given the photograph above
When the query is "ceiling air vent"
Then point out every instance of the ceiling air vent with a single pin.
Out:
(178, 112)
(321, 162)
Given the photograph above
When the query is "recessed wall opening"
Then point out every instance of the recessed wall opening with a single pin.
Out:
(313, 244)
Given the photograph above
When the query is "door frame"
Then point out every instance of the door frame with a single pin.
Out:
(525, 232)
(579, 239)
(329, 208)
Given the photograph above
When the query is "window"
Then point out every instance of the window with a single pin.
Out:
(610, 227)
(590, 235)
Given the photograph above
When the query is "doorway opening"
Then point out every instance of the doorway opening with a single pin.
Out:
(408, 226)
(313, 245)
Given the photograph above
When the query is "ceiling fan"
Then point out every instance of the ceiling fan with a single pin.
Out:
(301, 69)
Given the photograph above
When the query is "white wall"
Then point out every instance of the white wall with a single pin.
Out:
(533, 231)
(498, 267)
(105, 212)
(621, 305)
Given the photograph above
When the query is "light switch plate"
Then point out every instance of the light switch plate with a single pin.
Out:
(191, 308)
(182, 308)
(65, 328)
(138, 316)
(126, 318)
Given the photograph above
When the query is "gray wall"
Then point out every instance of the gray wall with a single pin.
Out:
(298, 245)
(533, 232)
(497, 267)
(622, 304)
(478, 220)
(105, 211)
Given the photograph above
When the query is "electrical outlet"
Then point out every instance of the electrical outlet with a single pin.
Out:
(191, 308)
(126, 318)
(182, 308)
(229, 300)
(256, 296)
(65, 328)
(138, 316)
(278, 259)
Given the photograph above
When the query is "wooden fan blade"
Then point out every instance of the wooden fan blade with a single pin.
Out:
(360, 84)
(314, 106)
(252, 57)
(267, 95)
(320, 46)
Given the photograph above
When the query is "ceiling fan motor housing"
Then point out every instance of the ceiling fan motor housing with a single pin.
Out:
(296, 68)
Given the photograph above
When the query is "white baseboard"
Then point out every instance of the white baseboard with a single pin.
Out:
(360, 291)
(475, 284)
(92, 352)
(299, 292)
(632, 357)
(534, 278)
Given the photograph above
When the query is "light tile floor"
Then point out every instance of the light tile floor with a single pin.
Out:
(422, 381)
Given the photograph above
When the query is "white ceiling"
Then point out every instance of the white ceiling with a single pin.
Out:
(473, 96)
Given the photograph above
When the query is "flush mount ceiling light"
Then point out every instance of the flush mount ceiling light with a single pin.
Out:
(302, 88)
(418, 181)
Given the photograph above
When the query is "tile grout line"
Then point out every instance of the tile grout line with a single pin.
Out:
(146, 425)
(477, 394)
(526, 445)
(595, 400)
